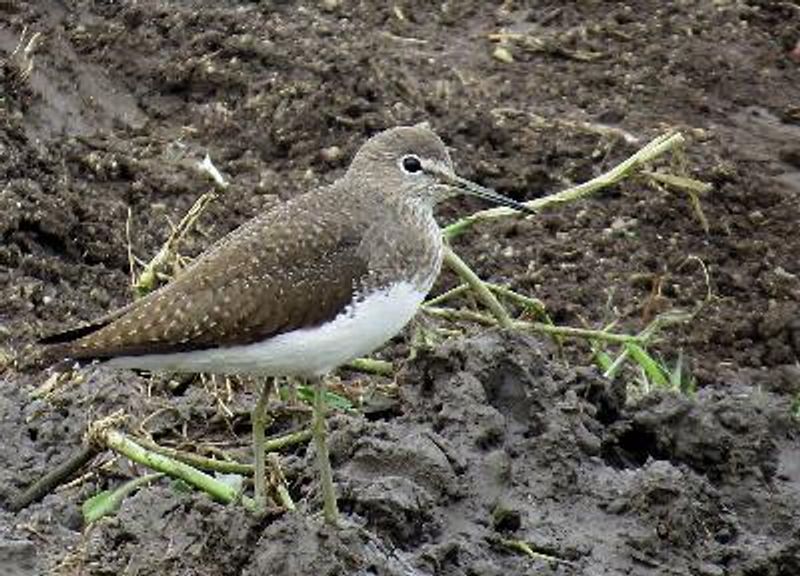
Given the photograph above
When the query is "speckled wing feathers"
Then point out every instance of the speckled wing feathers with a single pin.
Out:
(280, 272)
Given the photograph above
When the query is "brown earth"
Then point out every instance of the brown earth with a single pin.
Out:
(493, 436)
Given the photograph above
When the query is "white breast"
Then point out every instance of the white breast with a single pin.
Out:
(360, 329)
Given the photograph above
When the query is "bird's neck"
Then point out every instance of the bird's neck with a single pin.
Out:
(404, 243)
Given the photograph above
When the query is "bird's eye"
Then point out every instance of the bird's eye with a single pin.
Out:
(411, 164)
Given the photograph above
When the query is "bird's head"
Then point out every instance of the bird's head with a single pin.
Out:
(412, 162)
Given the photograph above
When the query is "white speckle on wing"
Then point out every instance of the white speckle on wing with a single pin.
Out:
(361, 328)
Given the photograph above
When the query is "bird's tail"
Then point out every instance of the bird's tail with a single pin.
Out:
(59, 351)
(55, 357)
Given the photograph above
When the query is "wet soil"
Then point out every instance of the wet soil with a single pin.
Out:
(491, 437)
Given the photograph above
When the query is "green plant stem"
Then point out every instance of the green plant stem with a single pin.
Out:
(615, 365)
(54, 477)
(525, 548)
(197, 461)
(148, 279)
(459, 314)
(583, 333)
(279, 481)
(568, 331)
(108, 502)
(226, 466)
(118, 442)
(330, 508)
(659, 322)
(481, 291)
(649, 152)
(521, 299)
(444, 296)
(258, 421)
(281, 442)
(371, 366)
(679, 182)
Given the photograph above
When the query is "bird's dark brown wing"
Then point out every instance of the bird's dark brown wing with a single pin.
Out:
(283, 271)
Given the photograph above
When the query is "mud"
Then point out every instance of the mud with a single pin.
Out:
(490, 437)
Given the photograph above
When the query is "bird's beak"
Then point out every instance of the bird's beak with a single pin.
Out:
(468, 187)
(479, 191)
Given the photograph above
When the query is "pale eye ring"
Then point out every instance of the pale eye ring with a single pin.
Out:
(411, 164)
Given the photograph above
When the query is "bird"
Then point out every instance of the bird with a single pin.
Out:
(302, 288)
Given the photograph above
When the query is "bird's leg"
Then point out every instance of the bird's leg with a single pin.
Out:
(258, 420)
(330, 508)
(293, 401)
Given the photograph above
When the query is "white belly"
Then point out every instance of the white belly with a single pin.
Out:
(359, 330)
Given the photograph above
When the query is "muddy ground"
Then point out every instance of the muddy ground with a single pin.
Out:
(488, 437)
